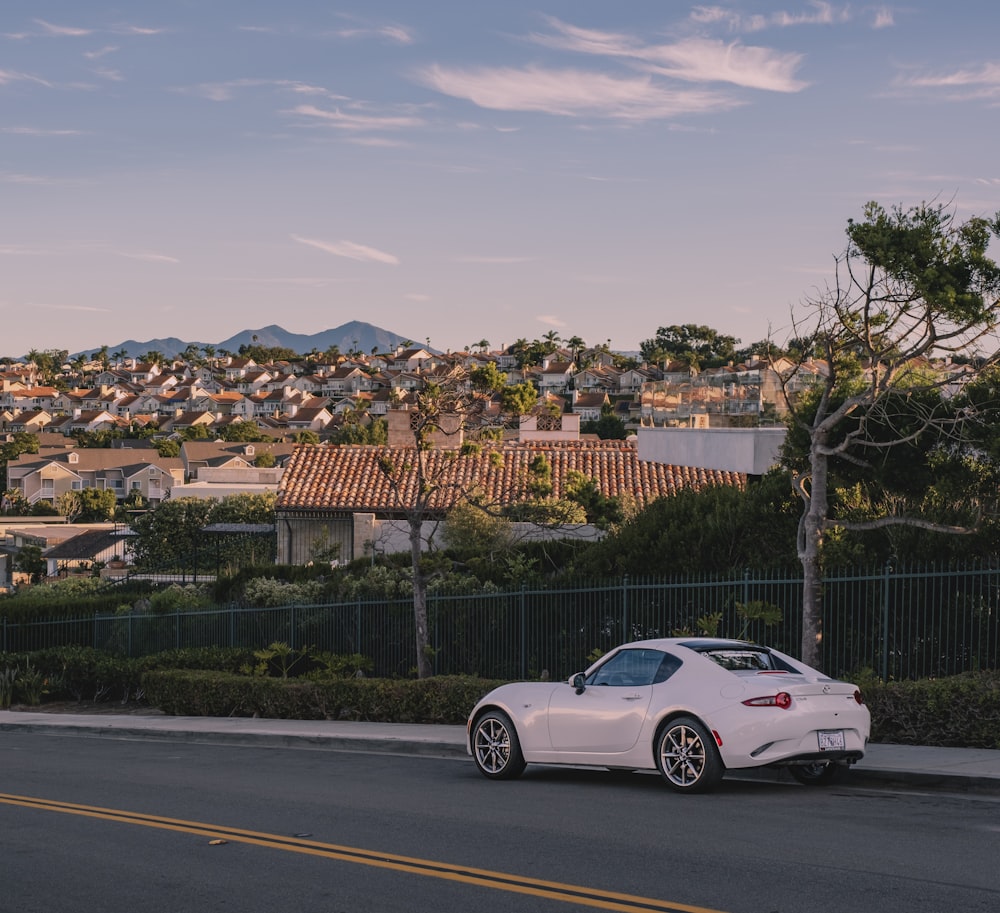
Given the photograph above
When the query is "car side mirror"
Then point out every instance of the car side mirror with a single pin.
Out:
(579, 682)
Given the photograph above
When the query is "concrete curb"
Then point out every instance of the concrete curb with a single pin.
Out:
(962, 770)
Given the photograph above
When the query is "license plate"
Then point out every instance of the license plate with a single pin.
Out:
(830, 739)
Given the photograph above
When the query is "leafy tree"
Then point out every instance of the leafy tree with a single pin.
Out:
(243, 431)
(910, 284)
(168, 447)
(699, 346)
(306, 437)
(487, 378)
(29, 561)
(169, 537)
(265, 460)
(713, 530)
(93, 505)
(20, 442)
(518, 399)
(608, 427)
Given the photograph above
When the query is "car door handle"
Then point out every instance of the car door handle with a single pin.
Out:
(631, 697)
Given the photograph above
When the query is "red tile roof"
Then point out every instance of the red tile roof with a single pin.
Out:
(348, 478)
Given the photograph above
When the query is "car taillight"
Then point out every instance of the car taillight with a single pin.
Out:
(858, 697)
(782, 699)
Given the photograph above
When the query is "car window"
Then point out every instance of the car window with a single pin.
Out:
(629, 668)
(748, 659)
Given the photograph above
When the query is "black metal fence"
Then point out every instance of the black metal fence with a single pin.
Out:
(900, 623)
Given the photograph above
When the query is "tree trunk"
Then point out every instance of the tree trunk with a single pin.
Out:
(423, 644)
(810, 543)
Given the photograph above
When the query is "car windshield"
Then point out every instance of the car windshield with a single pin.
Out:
(629, 668)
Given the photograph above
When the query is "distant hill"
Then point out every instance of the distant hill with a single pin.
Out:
(348, 336)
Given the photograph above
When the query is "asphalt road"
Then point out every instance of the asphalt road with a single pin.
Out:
(97, 825)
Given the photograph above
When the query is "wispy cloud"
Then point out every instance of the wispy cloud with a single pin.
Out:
(109, 74)
(884, 18)
(19, 250)
(100, 52)
(146, 256)
(978, 83)
(691, 60)
(393, 33)
(550, 320)
(62, 31)
(350, 250)
(15, 178)
(9, 76)
(225, 91)
(137, 30)
(73, 307)
(819, 13)
(353, 120)
(572, 93)
(39, 131)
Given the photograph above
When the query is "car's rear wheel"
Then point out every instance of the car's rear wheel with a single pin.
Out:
(495, 747)
(821, 773)
(687, 757)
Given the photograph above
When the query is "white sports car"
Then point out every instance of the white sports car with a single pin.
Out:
(691, 708)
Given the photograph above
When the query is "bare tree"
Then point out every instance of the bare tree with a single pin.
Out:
(910, 285)
(425, 477)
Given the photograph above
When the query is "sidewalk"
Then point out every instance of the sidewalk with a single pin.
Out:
(953, 769)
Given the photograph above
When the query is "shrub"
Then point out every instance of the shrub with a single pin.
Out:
(446, 699)
(960, 711)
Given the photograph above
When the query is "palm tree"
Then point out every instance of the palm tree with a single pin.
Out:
(575, 345)
(551, 340)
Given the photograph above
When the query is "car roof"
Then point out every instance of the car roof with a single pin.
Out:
(697, 644)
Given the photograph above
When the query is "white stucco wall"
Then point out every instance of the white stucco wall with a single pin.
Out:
(750, 450)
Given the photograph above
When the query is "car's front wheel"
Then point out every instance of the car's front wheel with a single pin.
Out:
(495, 747)
(821, 773)
(687, 758)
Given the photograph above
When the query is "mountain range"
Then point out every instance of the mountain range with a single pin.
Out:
(355, 335)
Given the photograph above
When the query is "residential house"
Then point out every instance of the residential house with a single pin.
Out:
(342, 495)
(53, 471)
(589, 405)
(555, 377)
(30, 422)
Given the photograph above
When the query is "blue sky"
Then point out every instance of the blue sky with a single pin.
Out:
(467, 170)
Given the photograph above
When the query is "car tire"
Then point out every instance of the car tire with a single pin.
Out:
(495, 747)
(821, 773)
(687, 757)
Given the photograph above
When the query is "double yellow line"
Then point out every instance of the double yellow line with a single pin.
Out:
(552, 890)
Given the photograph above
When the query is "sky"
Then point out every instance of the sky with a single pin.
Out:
(456, 171)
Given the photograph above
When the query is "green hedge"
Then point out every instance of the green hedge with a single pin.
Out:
(444, 699)
(962, 711)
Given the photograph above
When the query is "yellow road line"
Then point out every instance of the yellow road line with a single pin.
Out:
(552, 890)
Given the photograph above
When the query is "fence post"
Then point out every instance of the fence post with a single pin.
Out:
(291, 626)
(177, 629)
(626, 633)
(524, 631)
(885, 619)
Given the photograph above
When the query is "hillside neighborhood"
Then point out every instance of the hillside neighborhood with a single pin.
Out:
(311, 430)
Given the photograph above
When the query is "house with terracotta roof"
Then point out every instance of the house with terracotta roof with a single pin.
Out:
(343, 495)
